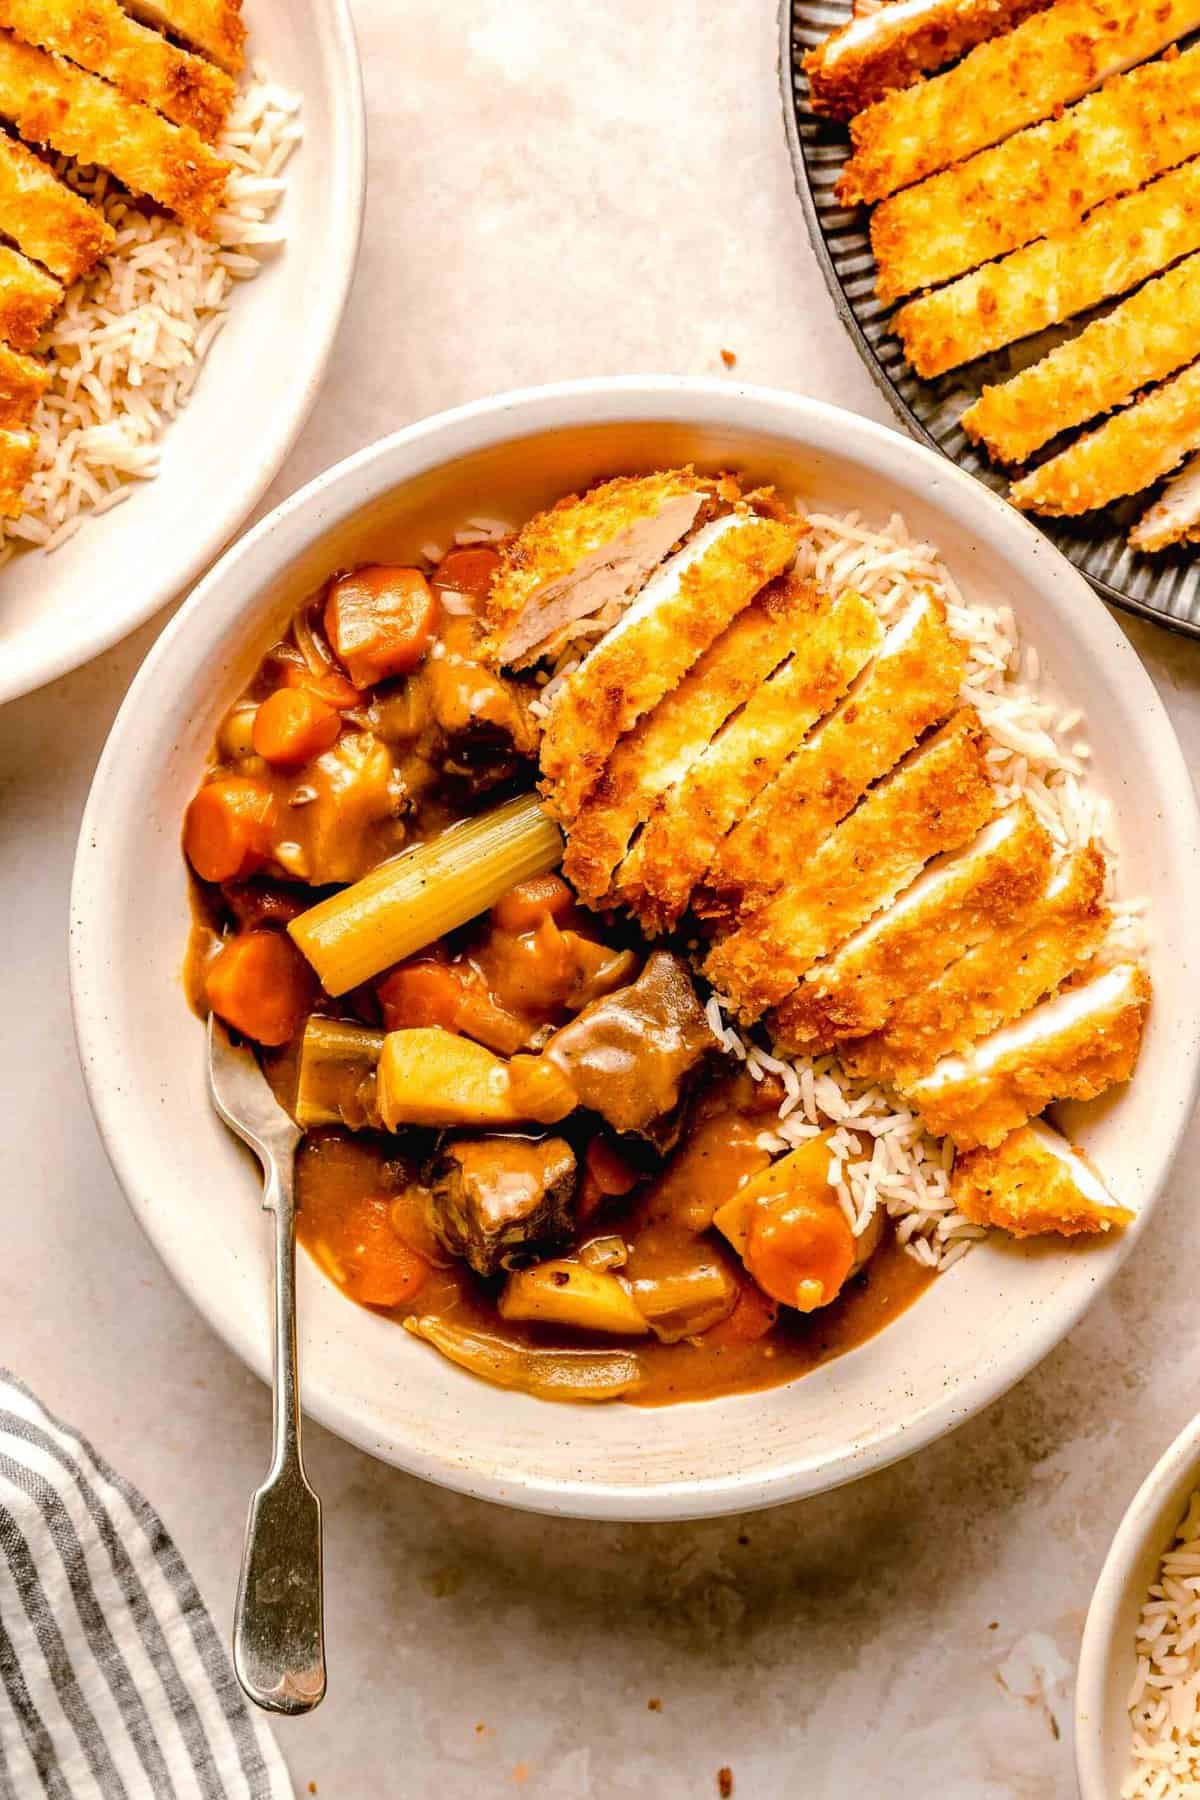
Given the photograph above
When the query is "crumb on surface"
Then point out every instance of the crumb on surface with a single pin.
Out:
(312, 1787)
(521, 1773)
(654, 1705)
(725, 1783)
(729, 358)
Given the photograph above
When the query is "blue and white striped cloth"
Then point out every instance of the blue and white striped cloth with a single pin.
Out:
(113, 1682)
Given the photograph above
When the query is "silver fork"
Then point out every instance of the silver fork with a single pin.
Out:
(278, 1629)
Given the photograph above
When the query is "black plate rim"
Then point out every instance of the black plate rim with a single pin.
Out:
(803, 185)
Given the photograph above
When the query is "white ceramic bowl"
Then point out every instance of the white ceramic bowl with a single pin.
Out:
(254, 392)
(1106, 1657)
(979, 1329)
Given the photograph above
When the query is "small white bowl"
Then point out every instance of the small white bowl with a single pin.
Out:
(979, 1329)
(1107, 1661)
(252, 397)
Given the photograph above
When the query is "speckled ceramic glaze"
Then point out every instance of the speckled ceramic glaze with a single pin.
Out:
(974, 1333)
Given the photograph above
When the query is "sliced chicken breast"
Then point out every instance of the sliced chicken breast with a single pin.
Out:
(1030, 954)
(1071, 1047)
(22, 384)
(98, 35)
(1127, 453)
(1047, 63)
(1175, 516)
(1143, 340)
(28, 296)
(892, 45)
(44, 218)
(933, 801)
(910, 685)
(683, 836)
(53, 103)
(1034, 1183)
(214, 27)
(674, 619)
(18, 451)
(1040, 181)
(651, 759)
(956, 903)
(585, 553)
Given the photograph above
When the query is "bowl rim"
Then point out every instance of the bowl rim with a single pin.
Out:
(1130, 1546)
(330, 291)
(211, 614)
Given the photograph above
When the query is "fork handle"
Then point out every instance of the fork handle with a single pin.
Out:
(278, 1633)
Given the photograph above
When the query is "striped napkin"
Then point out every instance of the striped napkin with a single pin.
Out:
(113, 1682)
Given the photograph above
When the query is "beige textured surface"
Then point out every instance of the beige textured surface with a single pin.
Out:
(577, 193)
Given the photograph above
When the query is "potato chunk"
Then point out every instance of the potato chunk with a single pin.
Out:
(569, 1293)
(428, 1076)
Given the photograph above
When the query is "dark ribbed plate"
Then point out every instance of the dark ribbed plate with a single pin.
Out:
(1166, 587)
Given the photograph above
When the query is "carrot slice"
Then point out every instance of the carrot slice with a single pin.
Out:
(228, 830)
(293, 725)
(608, 1168)
(380, 620)
(381, 1269)
(421, 993)
(262, 986)
(800, 1250)
(525, 906)
(752, 1317)
(332, 687)
(468, 570)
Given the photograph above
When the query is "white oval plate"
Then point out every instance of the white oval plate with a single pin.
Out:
(978, 1329)
(254, 392)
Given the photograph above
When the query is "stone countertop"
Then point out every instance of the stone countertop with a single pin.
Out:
(561, 191)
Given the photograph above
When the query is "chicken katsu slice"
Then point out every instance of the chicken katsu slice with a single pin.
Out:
(933, 801)
(98, 35)
(1119, 245)
(44, 218)
(1034, 1183)
(662, 747)
(53, 103)
(685, 833)
(910, 685)
(1175, 516)
(954, 904)
(28, 296)
(22, 384)
(1041, 180)
(214, 27)
(585, 552)
(891, 46)
(18, 451)
(1070, 1047)
(1126, 454)
(677, 615)
(1030, 954)
(1029, 74)
(1145, 339)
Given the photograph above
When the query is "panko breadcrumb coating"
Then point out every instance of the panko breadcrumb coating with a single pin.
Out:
(28, 296)
(1124, 456)
(44, 219)
(1032, 1184)
(17, 452)
(212, 26)
(23, 381)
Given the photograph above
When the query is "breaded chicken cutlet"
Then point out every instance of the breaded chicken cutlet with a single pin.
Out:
(1071, 1047)
(18, 450)
(679, 842)
(933, 801)
(1175, 516)
(1028, 74)
(99, 36)
(1032, 1184)
(53, 103)
(22, 384)
(891, 45)
(28, 296)
(44, 219)
(214, 27)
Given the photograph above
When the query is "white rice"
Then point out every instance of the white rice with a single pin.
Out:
(880, 1154)
(1164, 1702)
(129, 343)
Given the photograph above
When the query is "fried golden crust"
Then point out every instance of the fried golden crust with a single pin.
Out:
(649, 652)
(1012, 81)
(1175, 516)
(856, 990)
(22, 384)
(44, 218)
(1116, 247)
(978, 1102)
(899, 697)
(1028, 956)
(679, 842)
(28, 296)
(1124, 456)
(1040, 181)
(1029, 1190)
(852, 68)
(933, 801)
(660, 749)
(18, 451)
(213, 26)
(99, 36)
(52, 102)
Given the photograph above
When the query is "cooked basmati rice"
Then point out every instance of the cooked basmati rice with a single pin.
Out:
(133, 334)
(1164, 1701)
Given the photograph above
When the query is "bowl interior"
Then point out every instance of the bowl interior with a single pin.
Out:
(979, 1327)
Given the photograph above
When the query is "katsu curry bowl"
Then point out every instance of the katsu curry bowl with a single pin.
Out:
(711, 883)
